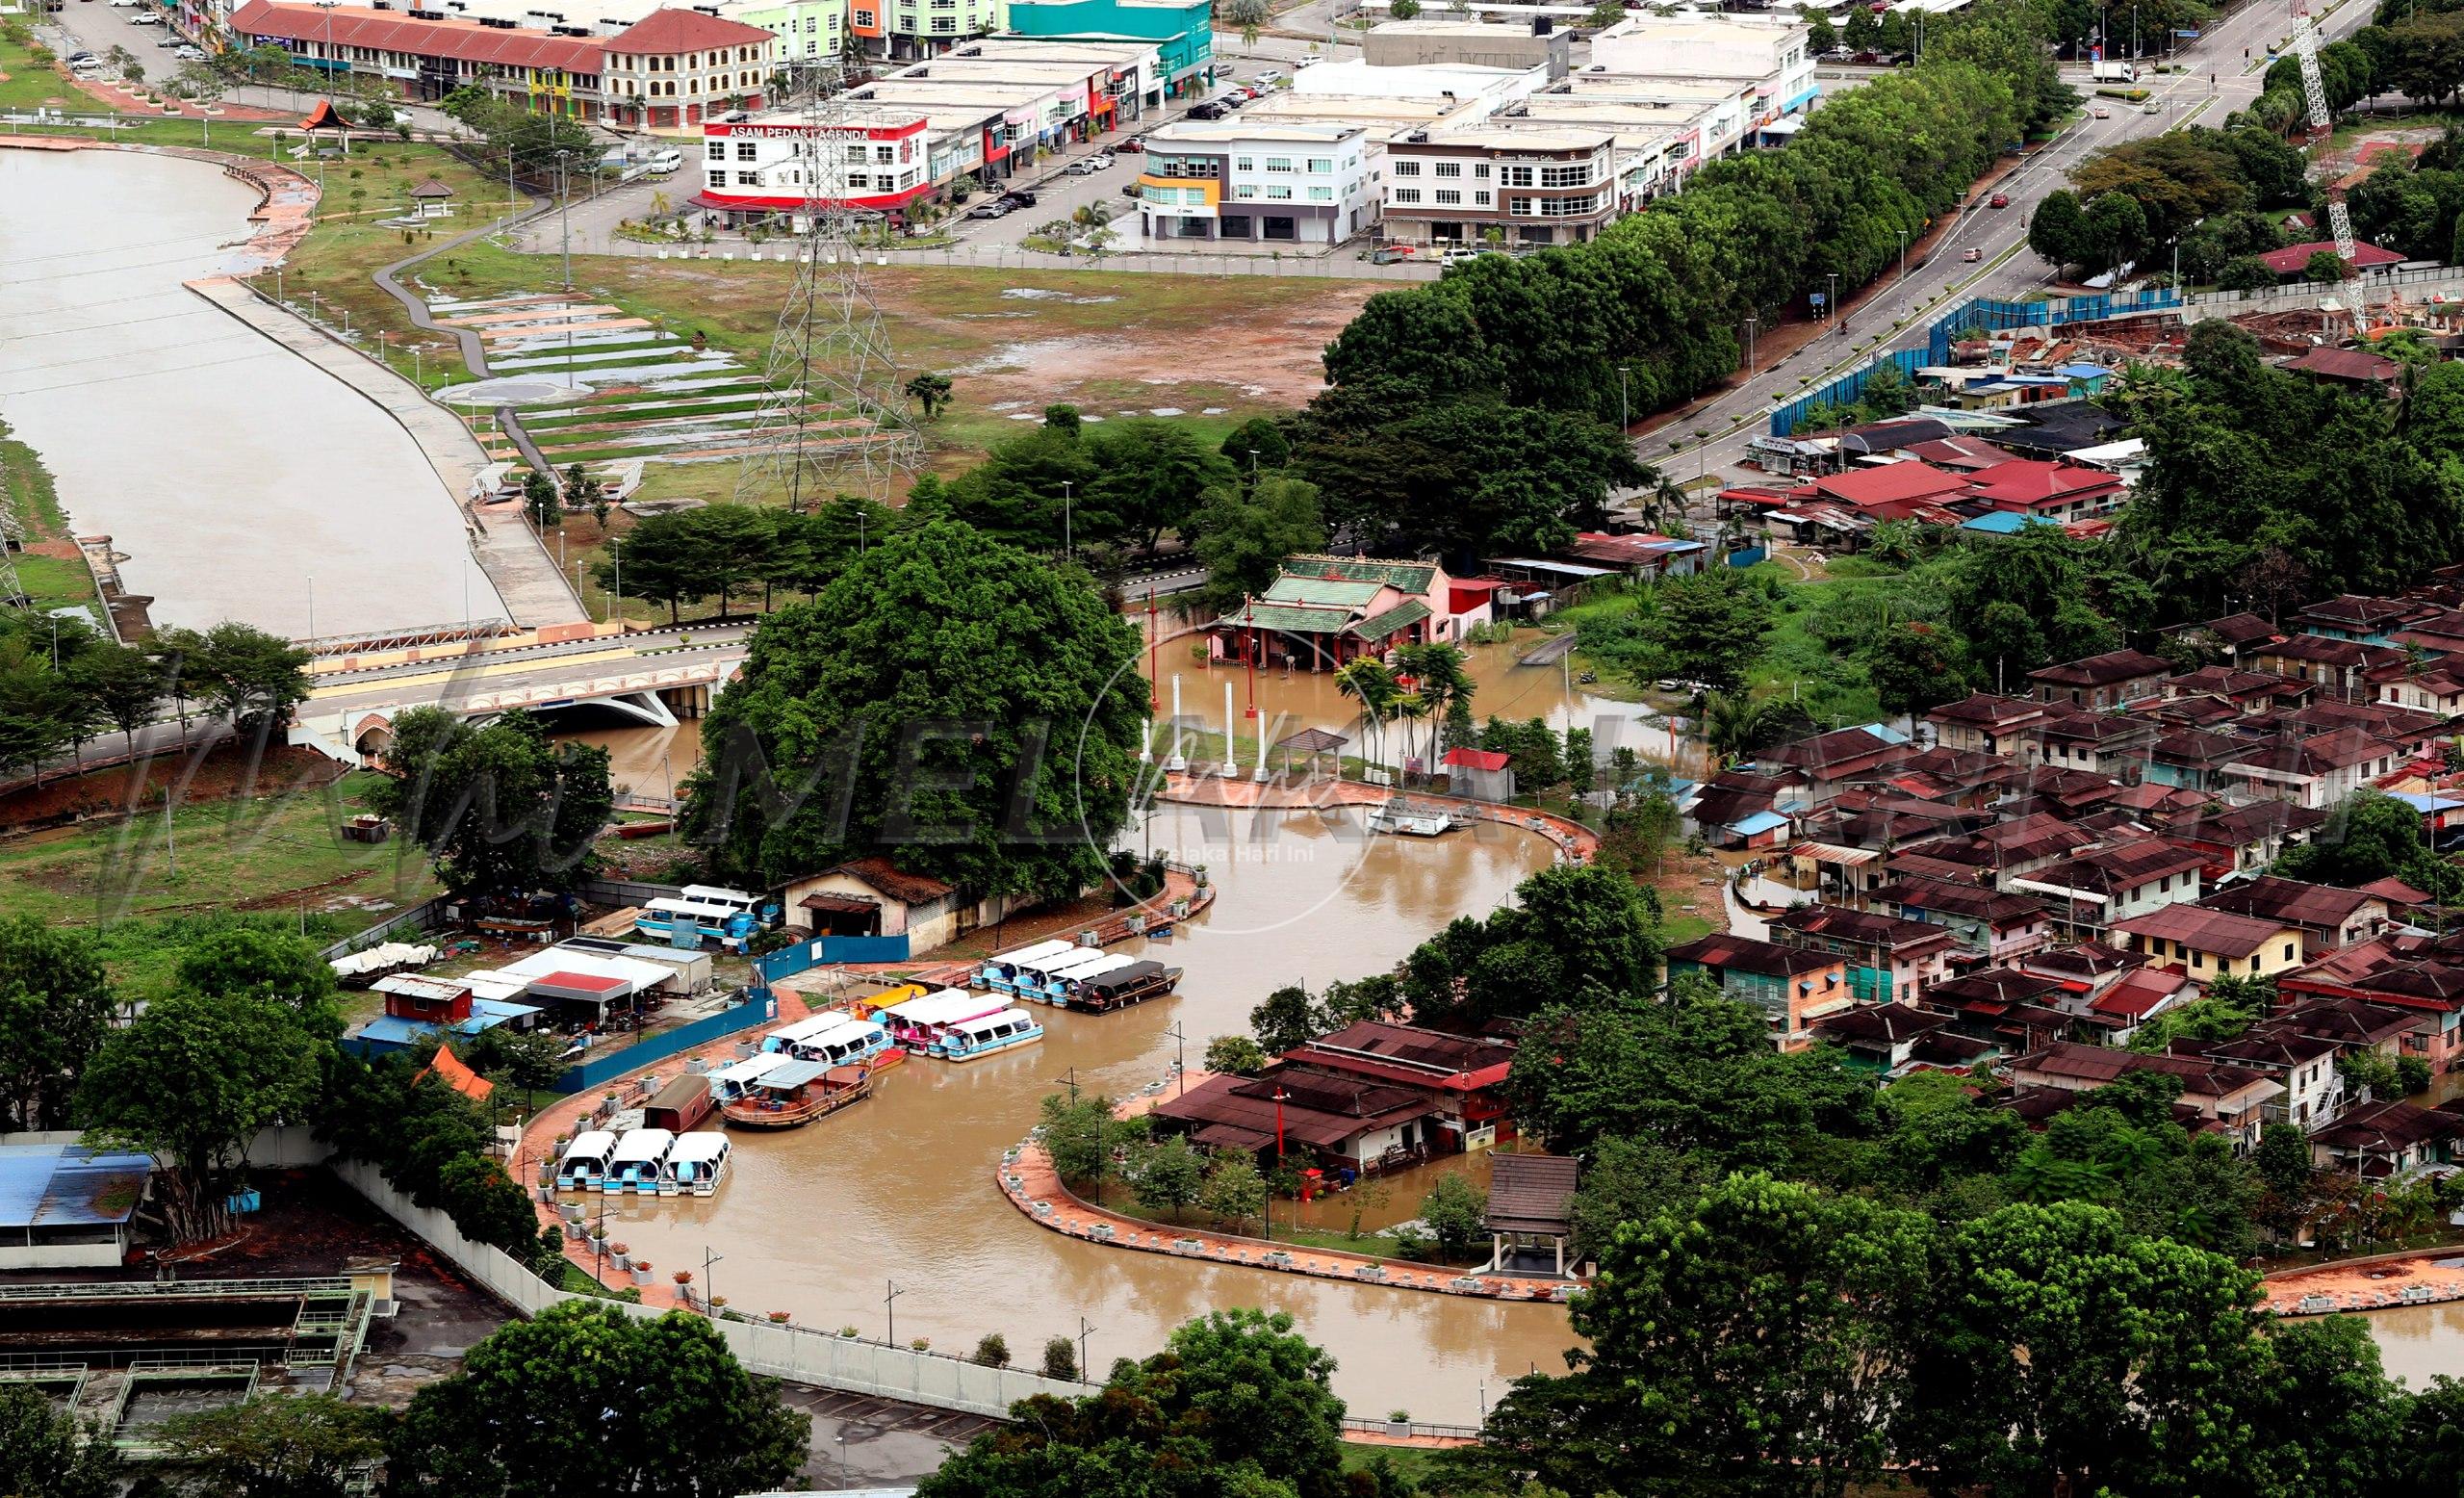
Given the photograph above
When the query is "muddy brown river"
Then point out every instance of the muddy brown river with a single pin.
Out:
(228, 470)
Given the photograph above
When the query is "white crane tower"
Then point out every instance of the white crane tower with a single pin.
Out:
(2314, 93)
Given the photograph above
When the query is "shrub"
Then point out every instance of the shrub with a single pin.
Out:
(1060, 1358)
(993, 1351)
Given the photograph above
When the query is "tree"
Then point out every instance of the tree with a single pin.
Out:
(664, 559)
(1235, 1192)
(124, 683)
(1256, 446)
(1060, 1358)
(55, 1008)
(256, 963)
(1242, 536)
(251, 676)
(1710, 626)
(1917, 665)
(583, 491)
(1234, 1403)
(46, 1453)
(2059, 1350)
(2325, 267)
(584, 1399)
(1248, 18)
(1735, 725)
(957, 705)
(931, 391)
(1168, 1177)
(541, 501)
(1234, 1055)
(191, 1082)
(2245, 274)
(1751, 1337)
(1456, 1213)
(992, 1351)
(1082, 1135)
(279, 1446)
(1820, 35)
(501, 811)
(1289, 1019)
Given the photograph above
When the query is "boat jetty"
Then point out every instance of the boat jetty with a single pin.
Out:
(795, 1093)
(1417, 818)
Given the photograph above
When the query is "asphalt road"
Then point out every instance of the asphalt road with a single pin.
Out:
(2004, 268)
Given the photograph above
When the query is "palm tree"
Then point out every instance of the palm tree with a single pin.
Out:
(1368, 681)
(1412, 708)
(1734, 725)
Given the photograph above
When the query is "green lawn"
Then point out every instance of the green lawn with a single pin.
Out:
(52, 581)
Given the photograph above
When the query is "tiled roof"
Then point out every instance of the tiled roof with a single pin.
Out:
(1332, 592)
(2108, 669)
(1477, 759)
(391, 31)
(2314, 906)
(904, 887)
(2344, 364)
(1531, 1192)
(2297, 257)
(1749, 954)
(1412, 576)
(2220, 932)
(671, 30)
(1402, 616)
(2096, 1064)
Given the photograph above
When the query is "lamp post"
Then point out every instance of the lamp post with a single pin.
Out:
(709, 1296)
(1831, 298)
(1749, 346)
(1903, 254)
(1180, 1055)
(564, 214)
(1624, 415)
(1068, 538)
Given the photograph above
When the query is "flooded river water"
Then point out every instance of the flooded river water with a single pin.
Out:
(819, 1220)
(228, 470)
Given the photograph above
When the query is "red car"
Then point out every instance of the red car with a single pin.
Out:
(1999, 201)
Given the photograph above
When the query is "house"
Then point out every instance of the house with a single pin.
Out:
(2389, 1140)
(68, 1207)
(873, 897)
(2394, 971)
(418, 1007)
(1458, 1075)
(2348, 367)
(1879, 1037)
(1886, 491)
(1482, 774)
(2135, 999)
(2110, 884)
(2437, 688)
(2244, 838)
(2109, 744)
(2304, 1065)
(2293, 261)
(2340, 668)
(1322, 613)
(2211, 944)
(1792, 986)
(2313, 771)
(1986, 926)
(2231, 636)
(2359, 616)
(1641, 557)
(1981, 723)
(2195, 760)
(2097, 683)
(2250, 691)
(1889, 960)
(1823, 762)
(2326, 916)
(1341, 1123)
(2232, 1099)
(2044, 489)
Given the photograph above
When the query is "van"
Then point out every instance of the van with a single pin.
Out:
(1971, 256)
(665, 163)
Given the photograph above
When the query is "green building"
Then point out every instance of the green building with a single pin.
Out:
(1182, 32)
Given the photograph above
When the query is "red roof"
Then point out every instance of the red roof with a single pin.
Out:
(1477, 759)
(1883, 484)
(687, 31)
(2028, 482)
(2346, 364)
(451, 1071)
(585, 982)
(660, 33)
(2295, 258)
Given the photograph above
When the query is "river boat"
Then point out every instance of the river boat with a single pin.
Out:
(785, 1037)
(1123, 987)
(973, 1040)
(847, 1043)
(917, 1023)
(1000, 973)
(1067, 982)
(696, 1166)
(633, 1169)
(797, 1094)
(729, 1082)
(584, 1162)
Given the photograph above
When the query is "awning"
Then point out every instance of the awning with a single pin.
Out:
(1833, 853)
(839, 904)
(1231, 1136)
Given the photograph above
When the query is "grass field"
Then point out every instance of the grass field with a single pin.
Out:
(280, 853)
(50, 570)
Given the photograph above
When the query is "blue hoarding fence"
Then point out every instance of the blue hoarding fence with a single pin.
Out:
(1841, 391)
(822, 951)
(1746, 555)
(1987, 315)
(603, 1067)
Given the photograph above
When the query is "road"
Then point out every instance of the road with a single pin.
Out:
(2004, 268)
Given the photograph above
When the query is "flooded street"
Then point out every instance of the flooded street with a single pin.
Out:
(229, 471)
(820, 1221)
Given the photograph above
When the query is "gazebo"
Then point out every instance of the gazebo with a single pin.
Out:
(326, 119)
(1312, 743)
(433, 199)
(1531, 1198)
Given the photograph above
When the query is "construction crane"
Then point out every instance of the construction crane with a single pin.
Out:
(2314, 92)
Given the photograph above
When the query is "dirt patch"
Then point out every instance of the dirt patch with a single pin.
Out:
(228, 770)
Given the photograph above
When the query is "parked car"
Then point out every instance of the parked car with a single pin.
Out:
(1388, 254)
(995, 209)
(1133, 145)
(189, 54)
(75, 57)
(172, 39)
(1998, 200)
(1210, 110)
(1310, 60)
(145, 18)
(1269, 79)
(2101, 112)
(1129, 189)
(663, 163)
(1019, 198)
(2151, 107)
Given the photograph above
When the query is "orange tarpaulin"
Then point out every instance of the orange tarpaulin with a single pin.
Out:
(461, 1078)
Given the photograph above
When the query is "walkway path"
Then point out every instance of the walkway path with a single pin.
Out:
(1571, 838)
(2380, 1283)
(1032, 1185)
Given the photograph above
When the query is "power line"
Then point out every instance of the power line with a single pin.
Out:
(92, 358)
(113, 379)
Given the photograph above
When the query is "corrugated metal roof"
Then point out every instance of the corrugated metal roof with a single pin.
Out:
(1402, 616)
(68, 1185)
(1339, 592)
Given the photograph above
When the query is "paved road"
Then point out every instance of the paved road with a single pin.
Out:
(2220, 81)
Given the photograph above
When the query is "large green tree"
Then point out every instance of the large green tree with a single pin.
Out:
(55, 1008)
(502, 809)
(279, 1445)
(585, 1400)
(47, 1453)
(1245, 533)
(959, 706)
(252, 677)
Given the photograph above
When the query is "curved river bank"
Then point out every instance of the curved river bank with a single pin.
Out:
(819, 1220)
(229, 471)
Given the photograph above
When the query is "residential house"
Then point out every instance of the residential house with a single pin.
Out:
(2346, 367)
(1459, 1076)
(2232, 636)
(2387, 1140)
(1642, 557)
(873, 896)
(1987, 925)
(1792, 986)
(1980, 723)
(1824, 763)
(2104, 885)
(2326, 916)
(2243, 840)
(2437, 688)
(2111, 680)
(2111, 744)
(2232, 1099)
(1889, 960)
(2211, 944)
(2304, 1065)
(1884, 1037)
(2195, 760)
(2249, 692)
(1322, 613)
(2340, 668)
(2313, 771)
(2049, 490)
(2357, 616)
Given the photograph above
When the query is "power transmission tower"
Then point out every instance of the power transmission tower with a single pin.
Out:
(833, 418)
(13, 538)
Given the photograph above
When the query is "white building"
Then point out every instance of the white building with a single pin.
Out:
(878, 160)
(1529, 187)
(1247, 180)
(1764, 52)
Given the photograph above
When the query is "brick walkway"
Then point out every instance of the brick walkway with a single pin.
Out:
(2383, 1282)
(1032, 1185)
(1576, 840)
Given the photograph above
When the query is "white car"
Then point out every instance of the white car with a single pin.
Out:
(1310, 60)
(145, 18)
(1269, 79)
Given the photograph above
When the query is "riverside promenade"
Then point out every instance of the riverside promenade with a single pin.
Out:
(1576, 841)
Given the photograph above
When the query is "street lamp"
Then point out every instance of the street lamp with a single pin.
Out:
(1749, 346)
(564, 214)
(1625, 418)
(709, 1259)
(1069, 542)
(1086, 1374)
(1903, 254)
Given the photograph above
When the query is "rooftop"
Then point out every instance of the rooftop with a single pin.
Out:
(2219, 932)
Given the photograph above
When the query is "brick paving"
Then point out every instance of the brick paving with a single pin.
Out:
(2381, 1282)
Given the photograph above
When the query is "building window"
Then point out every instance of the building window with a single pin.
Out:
(718, 150)
(864, 17)
(1278, 163)
(1244, 164)
(1407, 195)
(1565, 177)
(747, 150)
(718, 179)
(1480, 198)
(1480, 171)
(1326, 195)
(884, 155)
(1322, 164)
(1518, 205)
(1516, 176)
(1244, 190)
(1280, 192)
(1449, 197)
(1448, 168)
(748, 179)
(1406, 168)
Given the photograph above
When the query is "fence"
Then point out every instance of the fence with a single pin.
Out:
(627, 891)
(1746, 555)
(1843, 390)
(800, 1354)
(1985, 314)
(822, 951)
(426, 916)
(601, 1069)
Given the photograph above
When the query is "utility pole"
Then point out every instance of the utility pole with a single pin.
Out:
(564, 214)
(1086, 1374)
(1070, 1079)
(889, 1304)
(1180, 1056)
(709, 1259)
(1624, 415)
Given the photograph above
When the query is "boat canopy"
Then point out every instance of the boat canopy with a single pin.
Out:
(942, 1007)
(844, 1031)
(591, 1146)
(974, 1029)
(708, 911)
(1137, 973)
(695, 1148)
(806, 1028)
(1065, 966)
(1111, 962)
(742, 1073)
(792, 1076)
(1033, 954)
(721, 894)
(642, 1146)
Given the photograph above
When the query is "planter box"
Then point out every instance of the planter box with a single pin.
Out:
(642, 1274)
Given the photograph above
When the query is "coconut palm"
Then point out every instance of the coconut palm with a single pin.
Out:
(1367, 681)
(1440, 677)
(1737, 724)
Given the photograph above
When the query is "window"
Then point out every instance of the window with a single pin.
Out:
(1278, 163)
(718, 179)
(1322, 164)
(864, 17)
(1565, 177)
(748, 150)
(1407, 195)
(1321, 195)
(1244, 190)
(1280, 192)
(1449, 197)
(885, 155)
(718, 150)
(1518, 205)
(1516, 176)
(1244, 164)
(748, 179)
(1480, 198)
(2288, 956)
(1480, 171)
(1406, 168)
(1571, 207)
(1452, 169)
(854, 156)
